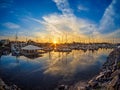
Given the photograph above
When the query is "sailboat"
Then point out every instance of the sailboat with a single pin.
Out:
(15, 47)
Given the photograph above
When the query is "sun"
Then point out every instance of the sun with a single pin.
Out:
(55, 42)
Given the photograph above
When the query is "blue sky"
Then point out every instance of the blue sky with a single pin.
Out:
(40, 18)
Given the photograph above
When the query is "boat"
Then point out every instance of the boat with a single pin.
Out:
(48, 49)
(63, 49)
(31, 50)
(15, 50)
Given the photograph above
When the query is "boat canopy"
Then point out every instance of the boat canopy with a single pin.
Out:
(31, 47)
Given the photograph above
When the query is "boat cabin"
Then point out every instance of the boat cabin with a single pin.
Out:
(31, 50)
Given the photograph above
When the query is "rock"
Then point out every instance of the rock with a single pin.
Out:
(93, 83)
(104, 84)
(3, 86)
(115, 73)
(100, 76)
(80, 86)
(113, 83)
(1, 82)
(62, 87)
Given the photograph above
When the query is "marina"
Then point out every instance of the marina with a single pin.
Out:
(59, 45)
(61, 64)
(18, 48)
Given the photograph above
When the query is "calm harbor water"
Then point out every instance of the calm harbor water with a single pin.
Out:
(52, 68)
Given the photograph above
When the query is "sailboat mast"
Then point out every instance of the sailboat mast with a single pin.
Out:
(16, 37)
(66, 37)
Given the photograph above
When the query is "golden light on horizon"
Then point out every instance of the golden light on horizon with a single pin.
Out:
(55, 42)
(70, 39)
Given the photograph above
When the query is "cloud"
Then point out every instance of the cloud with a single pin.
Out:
(82, 8)
(115, 34)
(11, 25)
(6, 3)
(64, 63)
(107, 23)
(63, 6)
(65, 23)
(58, 25)
(34, 19)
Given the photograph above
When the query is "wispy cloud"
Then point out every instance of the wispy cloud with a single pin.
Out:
(63, 6)
(11, 25)
(107, 22)
(6, 3)
(67, 22)
(58, 25)
(82, 8)
(34, 19)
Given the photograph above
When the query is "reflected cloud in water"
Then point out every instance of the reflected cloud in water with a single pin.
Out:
(66, 64)
(56, 67)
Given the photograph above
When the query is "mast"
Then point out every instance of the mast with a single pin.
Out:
(26, 39)
(62, 38)
(66, 38)
(49, 39)
(16, 37)
(79, 40)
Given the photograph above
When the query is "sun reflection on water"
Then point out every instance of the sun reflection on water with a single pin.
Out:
(68, 63)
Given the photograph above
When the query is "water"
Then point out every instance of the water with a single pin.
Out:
(52, 69)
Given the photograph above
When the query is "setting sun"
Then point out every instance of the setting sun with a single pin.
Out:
(54, 41)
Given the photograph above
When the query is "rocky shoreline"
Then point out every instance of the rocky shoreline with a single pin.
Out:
(4, 86)
(107, 79)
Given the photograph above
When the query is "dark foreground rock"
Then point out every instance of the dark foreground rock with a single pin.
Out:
(4, 86)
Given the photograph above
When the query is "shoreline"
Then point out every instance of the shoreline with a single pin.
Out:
(108, 77)
(4, 86)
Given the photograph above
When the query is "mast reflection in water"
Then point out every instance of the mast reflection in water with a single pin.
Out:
(52, 68)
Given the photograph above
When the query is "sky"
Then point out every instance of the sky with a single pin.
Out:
(50, 20)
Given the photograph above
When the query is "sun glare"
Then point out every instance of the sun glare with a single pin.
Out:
(54, 41)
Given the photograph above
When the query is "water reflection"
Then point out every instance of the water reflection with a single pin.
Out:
(55, 67)
(68, 63)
